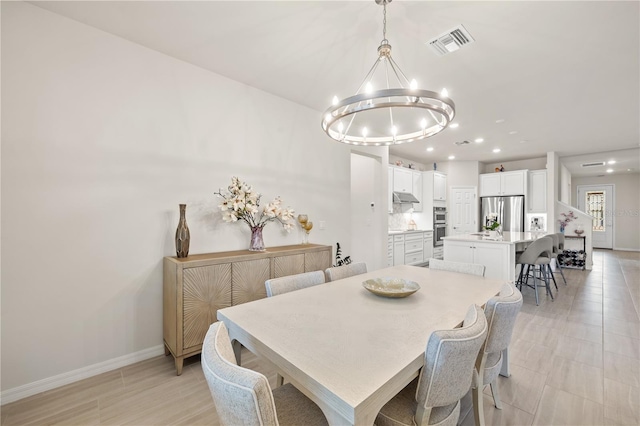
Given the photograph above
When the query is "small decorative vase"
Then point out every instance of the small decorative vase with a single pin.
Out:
(182, 234)
(562, 229)
(257, 244)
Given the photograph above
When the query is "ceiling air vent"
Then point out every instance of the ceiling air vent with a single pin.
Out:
(595, 164)
(451, 41)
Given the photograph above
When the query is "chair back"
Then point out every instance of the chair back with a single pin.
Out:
(556, 242)
(501, 312)
(289, 283)
(540, 247)
(461, 267)
(449, 361)
(345, 271)
(560, 241)
(241, 396)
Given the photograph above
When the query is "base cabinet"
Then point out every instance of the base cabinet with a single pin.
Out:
(495, 257)
(195, 287)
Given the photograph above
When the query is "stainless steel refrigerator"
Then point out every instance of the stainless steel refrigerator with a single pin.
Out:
(509, 211)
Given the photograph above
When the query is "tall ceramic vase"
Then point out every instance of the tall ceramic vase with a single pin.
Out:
(182, 234)
(257, 244)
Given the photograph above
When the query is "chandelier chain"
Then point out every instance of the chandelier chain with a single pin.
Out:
(384, 21)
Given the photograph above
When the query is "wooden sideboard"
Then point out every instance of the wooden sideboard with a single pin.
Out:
(196, 286)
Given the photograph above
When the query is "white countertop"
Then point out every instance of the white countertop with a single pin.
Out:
(507, 237)
(395, 232)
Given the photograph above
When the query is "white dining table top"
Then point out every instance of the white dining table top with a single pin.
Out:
(350, 350)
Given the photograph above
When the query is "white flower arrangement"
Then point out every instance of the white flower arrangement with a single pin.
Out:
(241, 202)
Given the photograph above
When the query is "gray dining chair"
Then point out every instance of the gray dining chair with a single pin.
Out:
(345, 271)
(276, 286)
(461, 267)
(501, 312)
(244, 397)
(434, 397)
(537, 256)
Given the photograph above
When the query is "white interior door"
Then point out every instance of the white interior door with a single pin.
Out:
(463, 210)
(366, 215)
(598, 201)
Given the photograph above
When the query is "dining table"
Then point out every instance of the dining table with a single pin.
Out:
(348, 349)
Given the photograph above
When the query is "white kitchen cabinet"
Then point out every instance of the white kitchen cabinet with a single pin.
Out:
(537, 193)
(427, 245)
(390, 192)
(417, 190)
(493, 256)
(398, 250)
(438, 253)
(435, 186)
(402, 180)
(413, 248)
(390, 250)
(503, 183)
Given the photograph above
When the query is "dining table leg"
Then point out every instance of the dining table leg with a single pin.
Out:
(237, 351)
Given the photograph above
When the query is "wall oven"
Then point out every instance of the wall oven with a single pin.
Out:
(439, 231)
(439, 215)
(439, 225)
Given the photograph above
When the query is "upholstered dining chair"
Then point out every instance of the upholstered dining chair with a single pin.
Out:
(276, 286)
(244, 397)
(538, 256)
(463, 268)
(434, 397)
(345, 271)
(501, 312)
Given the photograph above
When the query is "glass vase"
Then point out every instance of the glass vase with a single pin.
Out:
(183, 236)
(257, 244)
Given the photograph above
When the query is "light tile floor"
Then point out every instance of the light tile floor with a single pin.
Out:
(574, 361)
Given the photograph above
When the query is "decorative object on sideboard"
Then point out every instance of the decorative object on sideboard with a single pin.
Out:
(339, 260)
(408, 113)
(306, 226)
(579, 230)
(183, 236)
(241, 202)
(567, 217)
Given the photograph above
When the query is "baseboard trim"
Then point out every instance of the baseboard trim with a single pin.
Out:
(15, 394)
(625, 249)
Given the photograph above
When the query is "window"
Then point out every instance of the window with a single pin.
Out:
(595, 207)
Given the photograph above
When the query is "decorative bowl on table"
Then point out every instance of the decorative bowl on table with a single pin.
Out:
(391, 287)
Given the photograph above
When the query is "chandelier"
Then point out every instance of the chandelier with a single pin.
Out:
(389, 115)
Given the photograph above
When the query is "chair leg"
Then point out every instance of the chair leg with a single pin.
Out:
(552, 276)
(547, 284)
(535, 285)
(496, 394)
(478, 408)
(561, 273)
(279, 380)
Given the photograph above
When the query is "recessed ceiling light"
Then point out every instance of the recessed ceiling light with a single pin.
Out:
(453, 125)
(611, 162)
(513, 132)
(452, 157)
(479, 140)
(629, 170)
(609, 170)
(430, 149)
(500, 121)
(496, 150)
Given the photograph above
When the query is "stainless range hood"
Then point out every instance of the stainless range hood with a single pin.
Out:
(404, 198)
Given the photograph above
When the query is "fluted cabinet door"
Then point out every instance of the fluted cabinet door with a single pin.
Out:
(205, 290)
(317, 261)
(288, 265)
(248, 279)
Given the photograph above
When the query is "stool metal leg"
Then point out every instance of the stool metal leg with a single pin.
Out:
(554, 278)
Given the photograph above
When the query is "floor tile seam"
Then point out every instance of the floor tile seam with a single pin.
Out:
(583, 363)
(581, 396)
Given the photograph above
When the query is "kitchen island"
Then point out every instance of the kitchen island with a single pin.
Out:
(498, 255)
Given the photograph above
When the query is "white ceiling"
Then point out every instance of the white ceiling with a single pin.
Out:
(564, 75)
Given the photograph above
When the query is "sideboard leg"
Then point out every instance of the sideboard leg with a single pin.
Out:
(179, 363)
(167, 352)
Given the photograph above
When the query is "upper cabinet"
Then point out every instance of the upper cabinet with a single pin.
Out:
(503, 183)
(435, 186)
(402, 180)
(417, 190)
(537, 193)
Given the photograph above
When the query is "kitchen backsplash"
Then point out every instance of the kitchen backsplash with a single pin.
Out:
(398, 219)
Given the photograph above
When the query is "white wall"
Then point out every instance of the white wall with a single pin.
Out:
(565, 184)
(101, 140)
(626, 211)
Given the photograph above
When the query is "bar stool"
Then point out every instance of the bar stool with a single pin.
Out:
(558, 248)
(538, 254)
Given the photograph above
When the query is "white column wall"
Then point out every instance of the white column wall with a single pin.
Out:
(101, 140)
